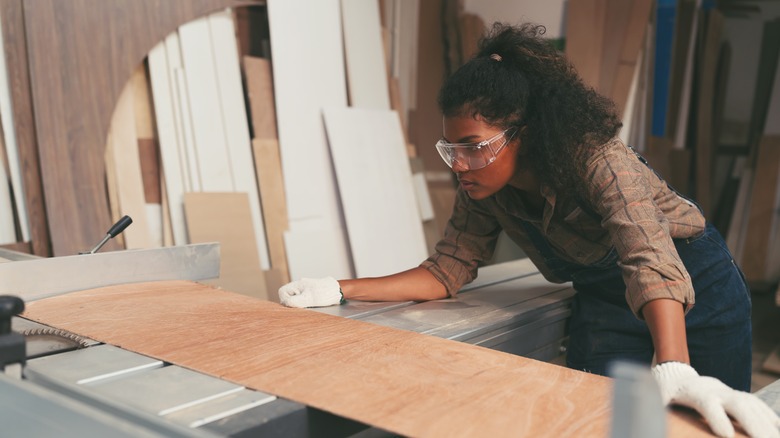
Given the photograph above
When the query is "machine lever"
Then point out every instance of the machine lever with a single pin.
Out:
(112, 232)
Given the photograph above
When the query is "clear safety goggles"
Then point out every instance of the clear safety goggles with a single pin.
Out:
(473, 156)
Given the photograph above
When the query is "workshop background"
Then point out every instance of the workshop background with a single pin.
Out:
(290, 133)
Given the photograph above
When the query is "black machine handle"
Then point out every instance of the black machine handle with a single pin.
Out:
(120, 226)
(9, 306)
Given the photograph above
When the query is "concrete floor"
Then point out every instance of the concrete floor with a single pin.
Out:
(766, 336)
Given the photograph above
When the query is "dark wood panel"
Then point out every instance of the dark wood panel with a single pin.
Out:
(15, 47)
(81, 54)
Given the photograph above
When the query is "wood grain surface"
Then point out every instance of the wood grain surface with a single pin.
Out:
(81, 53)
(404, 382)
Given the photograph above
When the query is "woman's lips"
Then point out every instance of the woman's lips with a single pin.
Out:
(467, 185)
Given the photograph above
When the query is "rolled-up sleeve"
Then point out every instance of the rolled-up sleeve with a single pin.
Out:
(469, 241)
(621, 191)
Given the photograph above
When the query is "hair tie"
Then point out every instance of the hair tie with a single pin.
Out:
(496, 57)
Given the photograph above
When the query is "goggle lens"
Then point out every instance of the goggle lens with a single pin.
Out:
(473, 156)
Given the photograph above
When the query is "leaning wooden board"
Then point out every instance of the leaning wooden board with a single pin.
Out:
(404, 382)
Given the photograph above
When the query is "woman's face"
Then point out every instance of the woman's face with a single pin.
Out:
(484, 182)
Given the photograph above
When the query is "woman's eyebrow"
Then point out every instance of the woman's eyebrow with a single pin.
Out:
(466, 139)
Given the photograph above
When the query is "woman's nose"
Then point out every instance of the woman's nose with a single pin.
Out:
(459, 167)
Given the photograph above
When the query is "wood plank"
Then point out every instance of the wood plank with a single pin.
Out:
(681, 62)
(9, 154)
(377, 190)
(127, 165)
(74, 95)
(170, 139)
(15, 51)
(226, 218)
(260, 90)
(205, 107)
(761, 212)
(301, 93)
(706, 143)
(239, 146)
(271, 185)
(364, 53)
(585, 38)
(403, 382)
(7, 228)
(112, 187)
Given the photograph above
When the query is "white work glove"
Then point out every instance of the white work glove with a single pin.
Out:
(311, 292)
(680, 384)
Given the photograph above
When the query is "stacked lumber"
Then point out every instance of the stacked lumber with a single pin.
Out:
(231, 144)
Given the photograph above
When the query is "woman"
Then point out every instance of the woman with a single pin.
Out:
(536, 155)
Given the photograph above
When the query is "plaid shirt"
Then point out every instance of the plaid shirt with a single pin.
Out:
(639, 216)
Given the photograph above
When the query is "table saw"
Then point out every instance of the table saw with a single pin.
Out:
(77, 386)
(90, 388)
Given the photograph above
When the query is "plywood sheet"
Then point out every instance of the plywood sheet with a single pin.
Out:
(10, 154)
(301, 91)
(15, 53)
(226, 218)
(585, 37)
(403, 382)
(260, 89)
(127, 168)
(364, 52)
(271, 186)
(377, 190)
(761, 216)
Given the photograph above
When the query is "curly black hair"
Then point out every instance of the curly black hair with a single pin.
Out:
(518, 78)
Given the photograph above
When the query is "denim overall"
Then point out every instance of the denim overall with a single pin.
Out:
(603, 328)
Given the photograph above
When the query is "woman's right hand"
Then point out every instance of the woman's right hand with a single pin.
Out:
(311, 292)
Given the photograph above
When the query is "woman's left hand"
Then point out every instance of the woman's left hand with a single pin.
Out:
(715, 401)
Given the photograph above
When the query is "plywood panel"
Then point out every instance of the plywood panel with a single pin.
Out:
(377, 190)
(364, 52)
(127, 165)
(403, 382)
(260, 89)
(301, 92)
(15, 51)
(74, 94)
(761, 214)
(12, 166)
(585, 37)
(271, 186)
(7, 229)
(226, 218)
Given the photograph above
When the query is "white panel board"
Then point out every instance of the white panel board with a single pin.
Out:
(168, 133)
(365, 55)
(309, 251)
(234, 115)
(309, 74)
(205, 107)
(377, 191)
